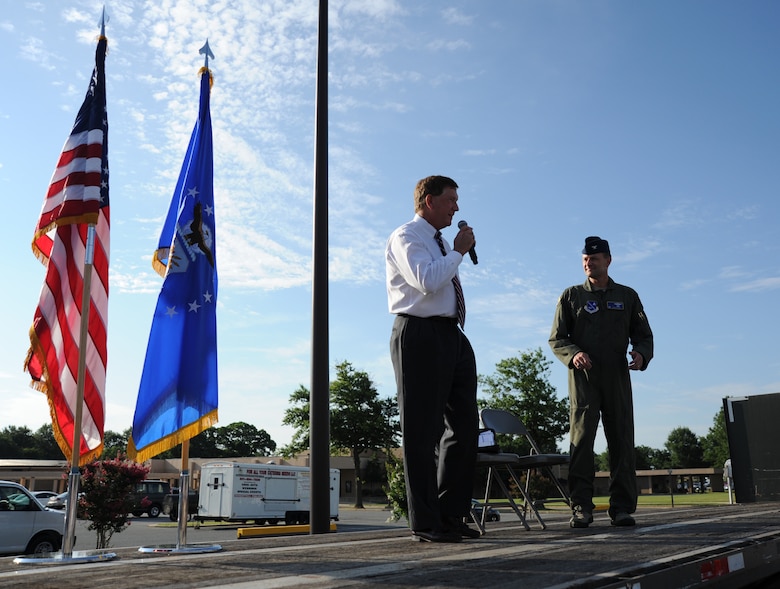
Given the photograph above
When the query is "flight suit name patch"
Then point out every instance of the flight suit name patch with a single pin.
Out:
(591, 306)
(615, 305)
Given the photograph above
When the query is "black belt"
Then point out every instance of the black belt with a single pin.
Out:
(440, 318)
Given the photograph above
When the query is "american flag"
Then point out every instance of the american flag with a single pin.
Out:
(77, 197)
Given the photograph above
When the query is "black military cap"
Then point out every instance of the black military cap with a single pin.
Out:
(595, 245)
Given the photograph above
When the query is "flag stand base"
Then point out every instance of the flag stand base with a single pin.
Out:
(180, 549)
(78, 557)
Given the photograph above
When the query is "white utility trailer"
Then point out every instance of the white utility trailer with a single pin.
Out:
(263, 493)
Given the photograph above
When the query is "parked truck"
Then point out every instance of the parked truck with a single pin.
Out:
(171, 504)
(262, 493)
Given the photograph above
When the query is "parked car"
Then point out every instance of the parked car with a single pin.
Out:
(60, 503)
(154, 491)
(44, 496)
(171, 503)
(27, 527)
(492, 515)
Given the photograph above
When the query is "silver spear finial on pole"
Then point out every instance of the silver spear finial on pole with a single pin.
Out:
(103, 20)
(206, 50)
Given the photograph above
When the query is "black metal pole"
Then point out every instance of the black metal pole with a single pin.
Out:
(319, 415)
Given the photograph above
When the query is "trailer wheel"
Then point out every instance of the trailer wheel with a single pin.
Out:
(272, 521)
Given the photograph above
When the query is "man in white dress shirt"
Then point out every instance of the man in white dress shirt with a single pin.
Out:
(435, 369)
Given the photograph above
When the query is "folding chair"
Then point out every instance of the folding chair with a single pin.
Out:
(504, 422)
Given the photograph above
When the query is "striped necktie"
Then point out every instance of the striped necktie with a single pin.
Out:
(460, 301)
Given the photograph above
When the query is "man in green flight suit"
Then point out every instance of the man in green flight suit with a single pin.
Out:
(593, 326)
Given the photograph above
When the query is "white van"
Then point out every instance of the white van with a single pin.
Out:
(27, 526)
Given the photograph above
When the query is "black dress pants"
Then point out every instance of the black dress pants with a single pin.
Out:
(436, 378)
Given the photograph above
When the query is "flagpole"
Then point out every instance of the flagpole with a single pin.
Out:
(73, 478)
(66, 555)
(184, 493)
(319, 410)
(181, 546)
(71, 514)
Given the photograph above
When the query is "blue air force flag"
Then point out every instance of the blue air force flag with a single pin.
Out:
(177, 397)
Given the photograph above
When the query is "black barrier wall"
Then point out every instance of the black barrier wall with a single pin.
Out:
(753, 429)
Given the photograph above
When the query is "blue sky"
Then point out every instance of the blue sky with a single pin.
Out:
(652, 124)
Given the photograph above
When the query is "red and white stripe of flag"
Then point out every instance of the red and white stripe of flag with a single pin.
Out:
(72, 201)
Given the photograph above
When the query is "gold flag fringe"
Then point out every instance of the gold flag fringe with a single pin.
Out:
(172, 440)
(160, 254)
(44, 386)
(211, 76)
(88, 218)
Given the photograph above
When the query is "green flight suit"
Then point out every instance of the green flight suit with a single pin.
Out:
(601, 323)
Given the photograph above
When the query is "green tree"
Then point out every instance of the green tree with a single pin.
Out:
(647, 458)
(107, 486)
(644, 457)
(22, 442)
(205, 445)
(715, 444)
(375, 471)
(684, 449)
(46, 447)
(359, 420)
(243, 439)
(601, 461)
(17, 442)
(521, 386)
(661, 459)
(235, 439)
(297, 415)
(114, 444)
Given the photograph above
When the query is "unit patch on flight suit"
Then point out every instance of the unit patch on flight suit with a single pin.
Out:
(615, 305)
(592, 306)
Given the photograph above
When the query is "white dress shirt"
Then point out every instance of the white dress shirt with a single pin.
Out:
(419, 278)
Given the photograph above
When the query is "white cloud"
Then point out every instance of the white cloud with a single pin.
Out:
(33, 49)
(683, 213)
(758, 285)
(641, 250)
(375, 9)
(446, 45)
(746, 213)
(453, 16)
(732, 273)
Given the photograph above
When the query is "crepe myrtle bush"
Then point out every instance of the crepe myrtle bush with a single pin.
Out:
(107, 487)
(396, 489)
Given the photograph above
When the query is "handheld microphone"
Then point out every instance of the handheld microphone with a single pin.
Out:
(472, 251)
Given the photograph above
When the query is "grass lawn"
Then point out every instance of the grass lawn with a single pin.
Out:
(686, 499)
(682, 500)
